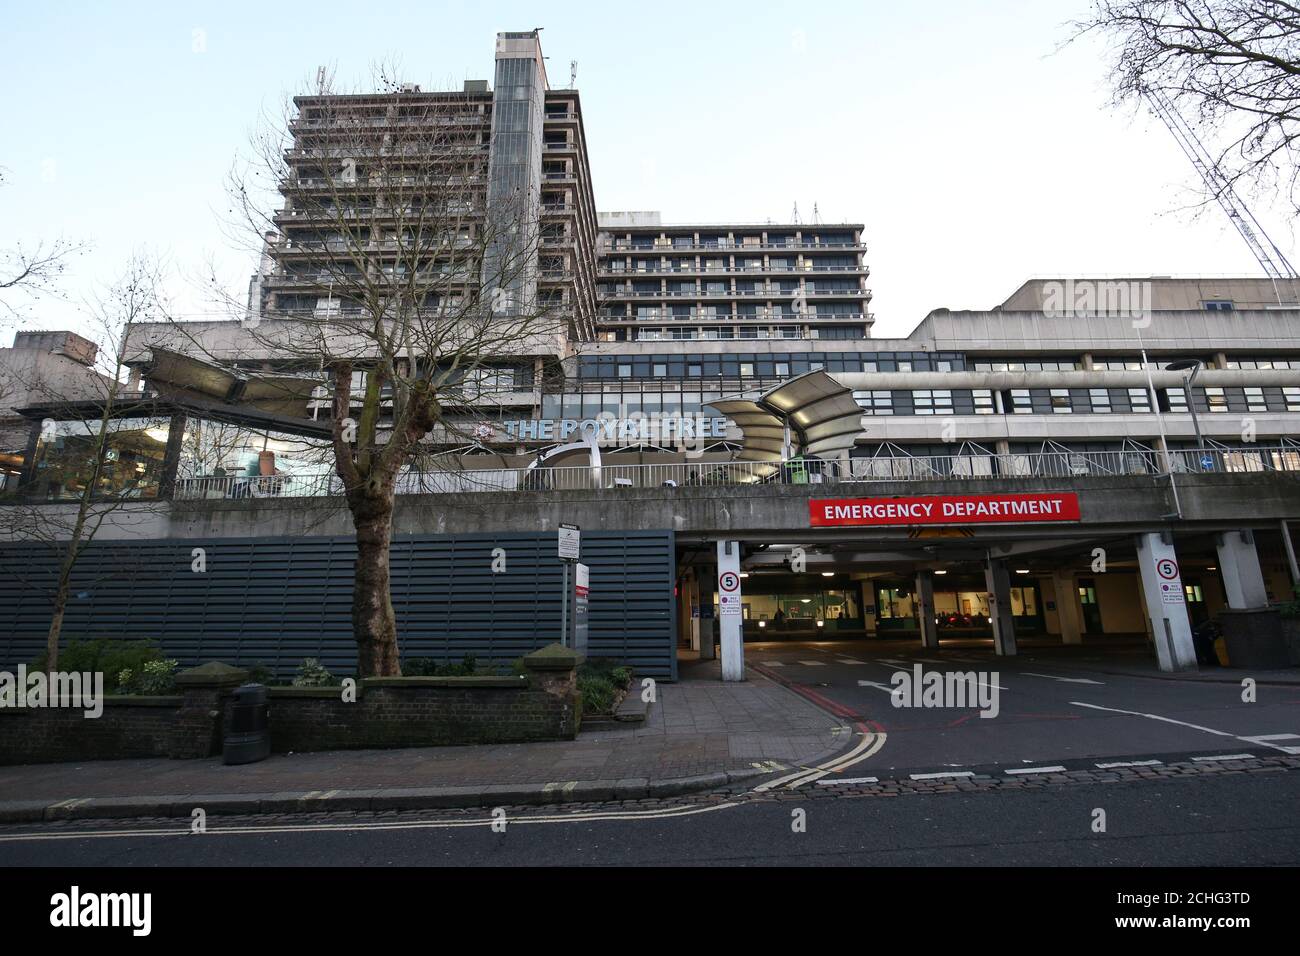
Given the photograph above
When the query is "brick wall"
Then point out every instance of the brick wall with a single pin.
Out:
(128, 727)
(387, 712)
(419, 712)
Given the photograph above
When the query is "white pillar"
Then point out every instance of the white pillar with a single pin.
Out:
(1243, 580)
(998, 583)
(730, 613)
(1166, 606)
(925, 609)
(1068, 613)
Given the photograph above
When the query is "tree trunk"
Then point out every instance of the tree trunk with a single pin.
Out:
(373, 622)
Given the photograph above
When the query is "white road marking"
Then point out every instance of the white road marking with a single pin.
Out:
(773, 663)
(1128, 763)
(849, 660)
(886, 660)
(1266, 741)
(869, 683)
(848, 782)
(1037, 770)
(1064, 680)
(1167, 720)
(937, 776)
(1227, 757)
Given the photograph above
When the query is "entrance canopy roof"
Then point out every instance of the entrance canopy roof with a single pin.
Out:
(185, 378)
(823, 417)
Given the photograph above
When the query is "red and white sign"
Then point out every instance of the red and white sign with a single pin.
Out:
(945, 509)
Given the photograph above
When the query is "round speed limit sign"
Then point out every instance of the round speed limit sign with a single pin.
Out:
(728, 580)
(1167, 568)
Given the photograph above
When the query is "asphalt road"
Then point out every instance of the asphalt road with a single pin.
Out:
(1048, 711)
(1194, 821)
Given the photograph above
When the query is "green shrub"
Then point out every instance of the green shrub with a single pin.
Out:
(104, 655)
(419, 667)
(597, 694)
(259, 673)
(153, 679)
(312, 673)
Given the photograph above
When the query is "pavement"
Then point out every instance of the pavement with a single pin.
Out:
(700, 734)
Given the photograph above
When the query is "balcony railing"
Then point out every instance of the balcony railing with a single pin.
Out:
(622, 245)
(852, 476)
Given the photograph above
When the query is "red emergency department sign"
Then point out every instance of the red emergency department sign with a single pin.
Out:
(944, 509)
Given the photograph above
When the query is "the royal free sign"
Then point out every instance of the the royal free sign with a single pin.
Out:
(945, 509)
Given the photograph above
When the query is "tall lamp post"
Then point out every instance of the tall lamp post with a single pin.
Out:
(1193, 368)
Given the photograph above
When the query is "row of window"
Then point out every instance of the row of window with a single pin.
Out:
(1066, 401)
(740, 365)
(686, 334)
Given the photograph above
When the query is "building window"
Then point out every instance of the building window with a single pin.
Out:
(1021, 402)
(1177, 398)
(879, 402)
(625, 371)
(1255, 400)
(1139, 399)
(1216, 399)
(746, 368)
(927, 401)
(659, 370)
(1218, 305)
(1099, 398)
(1291, 395)
(1061, 401)
(983, 401)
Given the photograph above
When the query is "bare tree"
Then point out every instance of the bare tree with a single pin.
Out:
(33, 269)
(397, 272)
(1232, 66)
(80, 478)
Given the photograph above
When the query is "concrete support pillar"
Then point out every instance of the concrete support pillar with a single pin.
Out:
(1243, 579)
(997, 580)
(1166, 606)
(705, 583)
(1068, 612)
(925, 609)
(730, 611)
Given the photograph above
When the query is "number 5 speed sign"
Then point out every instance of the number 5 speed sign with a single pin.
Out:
(729, 594)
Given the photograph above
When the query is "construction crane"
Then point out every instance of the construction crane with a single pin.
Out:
(1265, 251)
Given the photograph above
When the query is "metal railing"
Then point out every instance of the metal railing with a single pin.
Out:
(852, 474)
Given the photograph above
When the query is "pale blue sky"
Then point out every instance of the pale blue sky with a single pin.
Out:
(975, 157)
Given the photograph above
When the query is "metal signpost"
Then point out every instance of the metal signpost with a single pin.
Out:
(570, 548)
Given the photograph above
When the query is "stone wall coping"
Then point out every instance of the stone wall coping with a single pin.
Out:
(212, 674)
(552, 657)
(516, 683)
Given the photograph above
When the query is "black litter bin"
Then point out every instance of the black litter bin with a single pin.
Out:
(248, 727)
